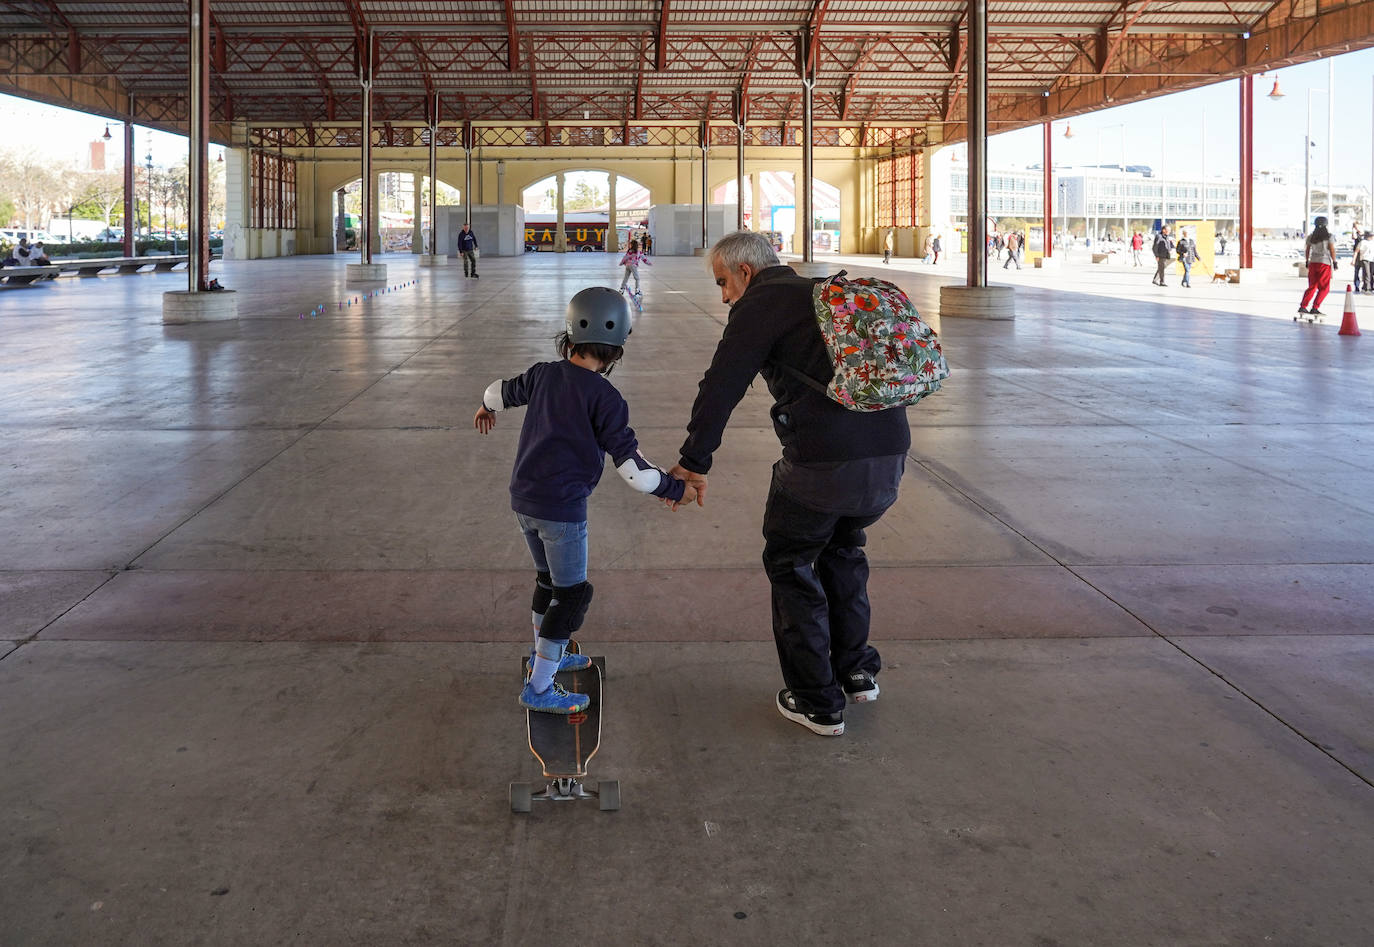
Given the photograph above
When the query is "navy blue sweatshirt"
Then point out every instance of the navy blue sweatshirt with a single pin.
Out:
(575, 416)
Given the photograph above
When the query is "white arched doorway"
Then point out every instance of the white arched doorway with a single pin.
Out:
(586, 210)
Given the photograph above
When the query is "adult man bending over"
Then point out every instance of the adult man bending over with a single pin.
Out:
(839, 473)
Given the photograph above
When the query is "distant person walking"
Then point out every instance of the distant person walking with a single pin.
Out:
(1364, 260)
(887, 248)
(1320, 253)
(1164, 252)
(935, 248)
(1137, 244)
(1013, 250)
(1356, 238)
(467, 249)
(1187, 255)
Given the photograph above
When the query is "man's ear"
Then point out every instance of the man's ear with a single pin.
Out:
(749, 273)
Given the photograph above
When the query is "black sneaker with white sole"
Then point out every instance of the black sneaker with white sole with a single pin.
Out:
(827, 725)
(860, 687)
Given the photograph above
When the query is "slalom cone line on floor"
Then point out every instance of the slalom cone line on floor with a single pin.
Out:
(1348, 324)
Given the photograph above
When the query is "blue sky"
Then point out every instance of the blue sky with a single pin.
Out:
(1175, 122)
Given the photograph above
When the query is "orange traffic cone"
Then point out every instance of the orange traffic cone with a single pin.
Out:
(1348, 324)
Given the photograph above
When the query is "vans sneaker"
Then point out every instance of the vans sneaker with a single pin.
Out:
(555, 700)
(860, 687)
(827, 725)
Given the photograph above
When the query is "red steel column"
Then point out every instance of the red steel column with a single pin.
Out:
(1047, 185)
(198, 236)
(1247, 170)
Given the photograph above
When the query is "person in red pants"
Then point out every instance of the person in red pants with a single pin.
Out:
(1321, 263)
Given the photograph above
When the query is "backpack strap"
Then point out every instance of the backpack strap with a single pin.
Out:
(801, 376)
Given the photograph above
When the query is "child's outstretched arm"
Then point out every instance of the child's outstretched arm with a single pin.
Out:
(499, 396)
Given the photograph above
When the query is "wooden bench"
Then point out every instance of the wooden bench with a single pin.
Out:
(1102, 257)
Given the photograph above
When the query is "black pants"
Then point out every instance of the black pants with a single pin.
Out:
(819, 576)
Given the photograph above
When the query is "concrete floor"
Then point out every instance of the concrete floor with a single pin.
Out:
(262, 606)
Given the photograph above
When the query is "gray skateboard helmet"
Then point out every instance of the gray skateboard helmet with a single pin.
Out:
(1319, 222)
(598, 314)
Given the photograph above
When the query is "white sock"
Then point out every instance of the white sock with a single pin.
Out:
(547, 655)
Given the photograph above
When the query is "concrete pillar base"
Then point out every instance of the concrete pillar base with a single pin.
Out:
(978, 302)
(366, 273)
(433, 259)
(814, 268)
(182, 306)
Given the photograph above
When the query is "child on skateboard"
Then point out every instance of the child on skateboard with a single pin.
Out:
(574, 416)
(631, 260)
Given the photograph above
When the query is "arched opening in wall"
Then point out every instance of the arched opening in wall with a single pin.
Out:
(401, 196)
(777, 211)
(586, 210)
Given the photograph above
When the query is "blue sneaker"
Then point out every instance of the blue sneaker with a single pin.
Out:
(569, 662)
(555, 700)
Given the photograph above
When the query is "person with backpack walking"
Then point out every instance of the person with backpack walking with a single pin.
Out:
(1013, 250)
(1137, 244)
(839, 473)
(1164, 252)
(1320, 254)
(935, 249)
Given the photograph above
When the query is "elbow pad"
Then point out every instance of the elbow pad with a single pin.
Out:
(640, 474)
(491, 398)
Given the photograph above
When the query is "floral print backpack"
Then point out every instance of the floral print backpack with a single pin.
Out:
(884, 355)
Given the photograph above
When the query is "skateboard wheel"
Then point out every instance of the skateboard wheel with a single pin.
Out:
(608, 790)
(520, 797)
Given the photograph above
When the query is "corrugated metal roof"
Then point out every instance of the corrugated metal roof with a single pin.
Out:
(889, 58)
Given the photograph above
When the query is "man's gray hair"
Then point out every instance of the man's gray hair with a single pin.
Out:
(743, 246)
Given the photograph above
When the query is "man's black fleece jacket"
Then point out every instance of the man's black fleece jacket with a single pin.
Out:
(772, 324)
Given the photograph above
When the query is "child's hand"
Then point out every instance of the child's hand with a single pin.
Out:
(689, 493)
(484, 420)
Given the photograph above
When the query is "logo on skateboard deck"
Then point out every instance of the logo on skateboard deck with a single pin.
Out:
(576, 719)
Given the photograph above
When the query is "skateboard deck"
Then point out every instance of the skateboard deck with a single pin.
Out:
(565, 743)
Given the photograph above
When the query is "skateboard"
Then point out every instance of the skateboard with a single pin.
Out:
(1309, 317)
(565, 744)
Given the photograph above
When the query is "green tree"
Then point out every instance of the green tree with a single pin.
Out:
(585, 196)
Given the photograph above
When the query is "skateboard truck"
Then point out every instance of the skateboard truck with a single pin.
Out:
(565, 789)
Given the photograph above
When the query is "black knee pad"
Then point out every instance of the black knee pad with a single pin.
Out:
(566, 611)
(543, 593)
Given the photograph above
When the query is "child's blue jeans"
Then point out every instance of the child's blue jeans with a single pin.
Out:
(558, 548)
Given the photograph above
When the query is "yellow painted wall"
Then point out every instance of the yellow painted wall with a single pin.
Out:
(672, 175)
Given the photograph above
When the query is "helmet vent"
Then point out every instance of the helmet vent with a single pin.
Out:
(583, 323)
(610, 325)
